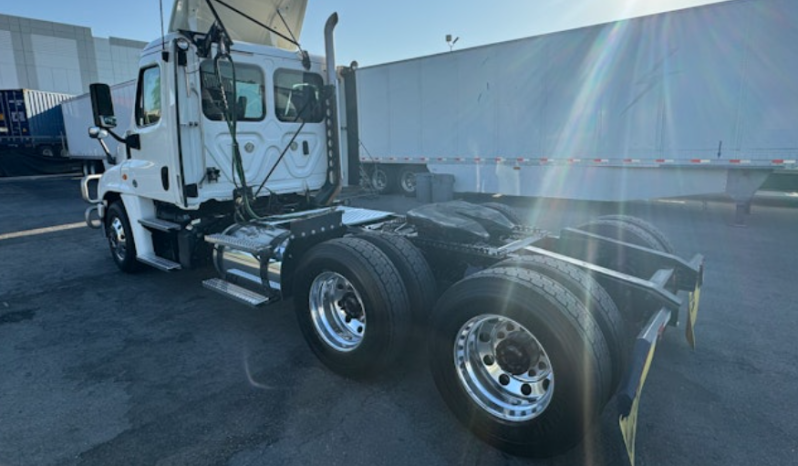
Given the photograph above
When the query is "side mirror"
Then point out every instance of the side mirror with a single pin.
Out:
(97, 133)
(102, 106)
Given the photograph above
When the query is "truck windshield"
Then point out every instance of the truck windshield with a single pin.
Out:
(248, 90)
(297, 96)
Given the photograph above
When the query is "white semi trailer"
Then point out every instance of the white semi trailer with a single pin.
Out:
(78, 117)
(232, 159)
(697, 101)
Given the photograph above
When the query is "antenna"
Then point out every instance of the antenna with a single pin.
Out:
(164, 53)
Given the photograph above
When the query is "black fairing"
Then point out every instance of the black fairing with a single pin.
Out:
(460, 222)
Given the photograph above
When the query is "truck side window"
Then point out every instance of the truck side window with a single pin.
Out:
(148, 102)
(248, 91)
(297, 96)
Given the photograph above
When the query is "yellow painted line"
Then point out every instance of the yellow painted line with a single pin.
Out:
(42, 231)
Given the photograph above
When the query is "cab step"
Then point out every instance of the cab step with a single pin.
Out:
(242, 244)
(159, 263)
(235, 292)
(160, 225)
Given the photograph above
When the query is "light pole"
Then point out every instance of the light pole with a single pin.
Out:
(451, 41)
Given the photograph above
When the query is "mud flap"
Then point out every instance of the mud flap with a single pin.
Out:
(635, 378)
(692, 310)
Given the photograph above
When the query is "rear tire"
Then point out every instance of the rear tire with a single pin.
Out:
(595, 299)
(509, 212)
(530, 318)
(633, 310)
(120, 239)
(414, 270)
(659, 236)
(351, 306)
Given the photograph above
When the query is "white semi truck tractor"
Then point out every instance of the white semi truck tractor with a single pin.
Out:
(232, 159)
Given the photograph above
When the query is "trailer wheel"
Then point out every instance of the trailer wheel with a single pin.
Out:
(595, 299)
(511, 214)
(659, 236)
(351, 306)
(120, 239)
(414, 270)
(382, 179)
(406, 180)
(45, 150)
(519, 361)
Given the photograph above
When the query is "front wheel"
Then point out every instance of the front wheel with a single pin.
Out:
(352, 306)
(519, 361)
(120, 239)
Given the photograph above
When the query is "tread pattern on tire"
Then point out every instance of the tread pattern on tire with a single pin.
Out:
(388, 284)
(576, 312)
(663, 240)
(537, 437)
(418, 277)
(597, 301)
(627, 232)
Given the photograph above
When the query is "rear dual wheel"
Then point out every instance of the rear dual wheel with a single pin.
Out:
(352, 306)
(635, 231)
(519, 360)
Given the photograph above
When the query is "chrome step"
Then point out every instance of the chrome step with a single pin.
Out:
(242, 244)
(235, 292)
(159, 262)
(160, 225)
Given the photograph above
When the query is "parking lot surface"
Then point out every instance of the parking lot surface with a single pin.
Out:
(100, 367)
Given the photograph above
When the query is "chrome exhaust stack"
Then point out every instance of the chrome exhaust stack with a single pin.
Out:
(333, 183)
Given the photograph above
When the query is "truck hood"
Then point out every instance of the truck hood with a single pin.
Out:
(194, 15)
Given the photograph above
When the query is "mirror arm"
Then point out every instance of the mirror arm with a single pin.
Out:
(116, 136)
(108, 156)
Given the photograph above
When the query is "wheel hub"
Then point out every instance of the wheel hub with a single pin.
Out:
(337, 310)
(351, 306)
(517, 353)
(503, 368)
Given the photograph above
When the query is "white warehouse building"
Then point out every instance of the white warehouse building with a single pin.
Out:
(64, 58)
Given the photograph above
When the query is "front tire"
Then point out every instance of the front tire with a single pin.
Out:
(489, 335)
(120, 239)
(351, 306)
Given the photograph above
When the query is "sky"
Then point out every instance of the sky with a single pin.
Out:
(371, 32)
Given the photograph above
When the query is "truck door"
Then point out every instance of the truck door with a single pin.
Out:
(153, 168)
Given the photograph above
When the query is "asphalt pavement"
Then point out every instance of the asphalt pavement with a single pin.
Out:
(98, 367)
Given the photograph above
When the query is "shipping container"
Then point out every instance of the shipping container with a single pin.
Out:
(32, 120)
(77, 118)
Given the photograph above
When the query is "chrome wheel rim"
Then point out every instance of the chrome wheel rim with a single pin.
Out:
(504, 368)
(409, 182)
(337, 311)
(118, 239)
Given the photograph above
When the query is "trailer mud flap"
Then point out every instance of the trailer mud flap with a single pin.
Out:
(692, 310)
(635, 378)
